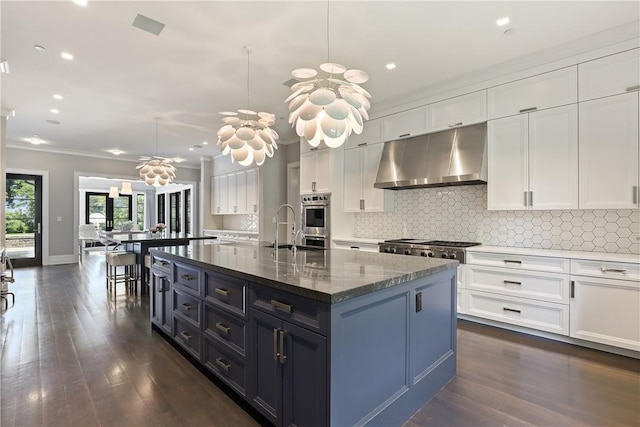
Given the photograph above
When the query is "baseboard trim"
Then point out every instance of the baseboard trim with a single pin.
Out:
(61, 259)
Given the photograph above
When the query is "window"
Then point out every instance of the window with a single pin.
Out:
(140, 210)
(174, 213)
(187, 211)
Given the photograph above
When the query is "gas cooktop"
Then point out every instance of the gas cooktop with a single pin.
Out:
(451, 244)
(427, 248)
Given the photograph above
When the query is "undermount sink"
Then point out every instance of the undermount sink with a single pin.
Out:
(300, 248)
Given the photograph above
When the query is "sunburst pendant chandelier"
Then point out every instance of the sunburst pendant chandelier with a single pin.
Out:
(157, 171)
(247, 135)
(331, 106)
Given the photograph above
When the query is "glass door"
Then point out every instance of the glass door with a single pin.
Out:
(24, 219)
(174, 212)
(107, 213)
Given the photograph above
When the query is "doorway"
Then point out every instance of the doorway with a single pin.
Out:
(107, 213)
(24, 219)
(293, 194)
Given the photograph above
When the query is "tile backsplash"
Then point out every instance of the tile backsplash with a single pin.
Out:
(459, 213)
(240, 222)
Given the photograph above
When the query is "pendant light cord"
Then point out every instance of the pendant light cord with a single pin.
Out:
(156, 137)
(248, 85)
(328, 55)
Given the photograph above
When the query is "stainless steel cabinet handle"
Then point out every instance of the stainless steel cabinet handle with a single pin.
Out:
(635, 194)
(222, 328)
(313, 149)
(572, 290)
(223, 292)
(530, 198)
(163, 263)
(511, 282)
(361, 204)
(613, 270)
(455, 124)
(281, 306)
(186, 306)
(223, 365)
(513, 310)
(526, 110)
(313, 186)
(362, 144)
(526, 200)
(283, 357)
(187, 277)
(185, 335)
(255, 208)
(276, 353)
(403, 135)
(632, 88)
(512, 261)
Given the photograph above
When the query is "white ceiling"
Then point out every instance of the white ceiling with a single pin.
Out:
(122, 77)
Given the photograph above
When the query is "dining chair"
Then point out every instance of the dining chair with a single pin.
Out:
(6, 277)
(87, 233)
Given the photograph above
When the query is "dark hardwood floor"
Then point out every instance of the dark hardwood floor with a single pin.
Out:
(73, 355)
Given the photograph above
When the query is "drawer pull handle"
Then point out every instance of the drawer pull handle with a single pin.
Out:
(632, 88)
(512, 261)
(222, 328)
(362, 144)
(185, 335)
(572, 289)
(186, 306)
(276, 353)
(526, 110)
(163, 263)
(403, 135)
(281, 306)
(455, 124)
(187, 277)
(613, 270)
(511, 282)
(223, 365)
(283, 357)
(513, 310)
(223, 292)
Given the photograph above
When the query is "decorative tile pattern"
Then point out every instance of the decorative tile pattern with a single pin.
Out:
(459, 213)
(240, 222)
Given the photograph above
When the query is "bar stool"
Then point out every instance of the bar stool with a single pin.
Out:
(129, 276)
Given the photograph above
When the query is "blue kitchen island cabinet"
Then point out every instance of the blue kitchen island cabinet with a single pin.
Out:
(324, 338)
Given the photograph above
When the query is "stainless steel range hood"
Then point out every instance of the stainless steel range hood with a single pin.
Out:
(452, 157)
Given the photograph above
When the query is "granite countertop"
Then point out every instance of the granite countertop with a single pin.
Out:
(330, 276)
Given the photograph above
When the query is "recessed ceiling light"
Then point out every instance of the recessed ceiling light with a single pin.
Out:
(205, 143)
(80, 2)
(66, 55)
(178, 159)
(35, 140)
(390, 66)
(54, 111)
(502, 21)
(38, 47)
(116, 152)
(191, 148)
(57, 96)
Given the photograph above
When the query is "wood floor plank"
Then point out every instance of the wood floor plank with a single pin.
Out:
(75, 355)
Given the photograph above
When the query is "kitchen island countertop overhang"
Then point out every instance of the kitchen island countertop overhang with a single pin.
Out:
(329, 276)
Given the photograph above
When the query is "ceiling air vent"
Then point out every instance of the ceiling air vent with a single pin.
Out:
(147, 24)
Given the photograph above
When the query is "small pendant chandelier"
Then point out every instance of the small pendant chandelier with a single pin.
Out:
(157, 171)
(328, 107)
(247, 135)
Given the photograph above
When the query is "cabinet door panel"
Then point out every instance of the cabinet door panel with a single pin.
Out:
(253, 190)
(606, 311)
(224, 194)
(609, 152)
(459, 111)
(307, 171)
(553, 158)
(508, 163)
(215, 195)
(232, 195)
(305, 378)
(371, 134)
(352, 180)
(611, 75)
(546, 90)
(323, 170)
(374, 198)
(241, 192)
(407, 123)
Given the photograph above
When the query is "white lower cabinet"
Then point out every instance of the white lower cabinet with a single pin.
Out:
(605, 310)
(355, 245)
(462, 285)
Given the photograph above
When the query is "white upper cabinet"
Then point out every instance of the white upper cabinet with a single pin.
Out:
(533, 160)
(459, 111)
(371, 134)
(610, 75)
(360, 172)
(315, 168)
(215, 195)
(235, 192)
(405, 124)
(253, 190)
(539, 92)
(305, 147)
(609, 152)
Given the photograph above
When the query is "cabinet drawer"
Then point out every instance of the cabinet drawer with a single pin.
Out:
(519, 262)
(552, 287)
(187, 305)
(610, 75)
(544, 316)
(305, 312)
(559, 87)
(459, 111)
(405, 124)
(161, 264)
(188, 336)
(606, 269)
(229, 368)
(187, 276)
(226, 292)
(230, 330)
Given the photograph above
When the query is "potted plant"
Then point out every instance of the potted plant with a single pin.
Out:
(158, 229)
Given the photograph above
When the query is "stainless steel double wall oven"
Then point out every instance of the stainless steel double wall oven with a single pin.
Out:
(316, 219)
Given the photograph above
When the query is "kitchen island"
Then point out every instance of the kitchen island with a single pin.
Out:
(319, 337)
